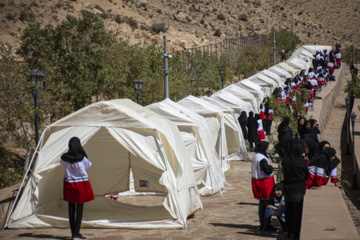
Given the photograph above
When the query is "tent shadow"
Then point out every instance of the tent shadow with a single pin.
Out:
(43, 236)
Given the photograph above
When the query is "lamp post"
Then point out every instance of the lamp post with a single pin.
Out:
(221, 70)
(347, 100)
(138, 84)
(192, 80)
(274, 58)
(38, 80)
(353, 120)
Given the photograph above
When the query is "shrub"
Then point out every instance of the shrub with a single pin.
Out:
(243, 17)
(34, 4)
(221, 16)
(257, 3)
(217, 33)
(132, 23)
(25, 15)
(99, 8)
(159, 27)
(11, 16)
(10, 173)
(2, 5)
(59, 4)
(119, 19)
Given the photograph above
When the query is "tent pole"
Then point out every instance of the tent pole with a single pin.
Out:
(25, 175)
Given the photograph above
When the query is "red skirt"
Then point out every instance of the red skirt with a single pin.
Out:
(261, 134)
(338, 60)
(262, 115)
(263, 188)
(78, 192)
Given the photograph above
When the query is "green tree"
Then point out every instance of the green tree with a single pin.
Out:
(73, 56)
(285, 40)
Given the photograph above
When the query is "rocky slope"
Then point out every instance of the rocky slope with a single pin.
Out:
(194, 22)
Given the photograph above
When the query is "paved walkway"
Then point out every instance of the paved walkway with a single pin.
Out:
(325, 215)
(235, 215)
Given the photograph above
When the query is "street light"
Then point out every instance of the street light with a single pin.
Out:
(347, 100)
(221, 70)
(353, 120)
(138, 84)
(38, 80)
(192, 80)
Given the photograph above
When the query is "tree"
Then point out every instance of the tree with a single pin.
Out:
(73, 56)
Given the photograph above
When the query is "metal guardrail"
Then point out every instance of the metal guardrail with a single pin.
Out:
(226, 44)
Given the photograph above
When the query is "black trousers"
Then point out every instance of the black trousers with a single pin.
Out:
(293, 216)
(268, 124)
(75, 217)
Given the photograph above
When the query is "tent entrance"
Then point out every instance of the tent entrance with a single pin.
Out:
(112, 161)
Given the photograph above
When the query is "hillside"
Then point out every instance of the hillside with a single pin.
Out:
(193, 22)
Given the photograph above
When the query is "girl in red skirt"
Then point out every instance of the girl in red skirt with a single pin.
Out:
(260, 128)
(77, 188)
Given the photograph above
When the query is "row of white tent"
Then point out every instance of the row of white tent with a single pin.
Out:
(180, 150)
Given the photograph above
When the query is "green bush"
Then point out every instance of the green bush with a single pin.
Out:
(10, 170)
(159, 27)
(284, 39)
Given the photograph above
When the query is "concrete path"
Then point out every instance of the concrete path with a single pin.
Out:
(325, 214)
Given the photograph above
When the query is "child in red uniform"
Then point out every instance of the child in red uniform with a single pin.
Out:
(77, 188)
(263, 182)
(260, 128)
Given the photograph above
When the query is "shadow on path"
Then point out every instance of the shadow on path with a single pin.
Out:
(44, 236)
(251, 230)
(245, 203)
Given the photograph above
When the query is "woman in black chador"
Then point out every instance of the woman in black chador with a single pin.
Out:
(252, 126)
(295, 175)
(285, 134)
(243, 122)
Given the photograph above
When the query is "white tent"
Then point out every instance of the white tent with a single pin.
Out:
(117, 136)
(279, 79)
(242, 94)
(267, 83)
(232, 126)
(253, 88)
(289, 69)
(229, 99)
(302, 53)
(298, 63)
(281, 72)
(215, 121)
(314, 48)
(196, 136)
(224, 132)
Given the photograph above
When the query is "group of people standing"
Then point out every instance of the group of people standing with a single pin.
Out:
(303, 161)
(256, 126)
(303, 164)
(318, 76)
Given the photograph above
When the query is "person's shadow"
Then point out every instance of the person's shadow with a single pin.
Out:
(44, 236)
(253, 230)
